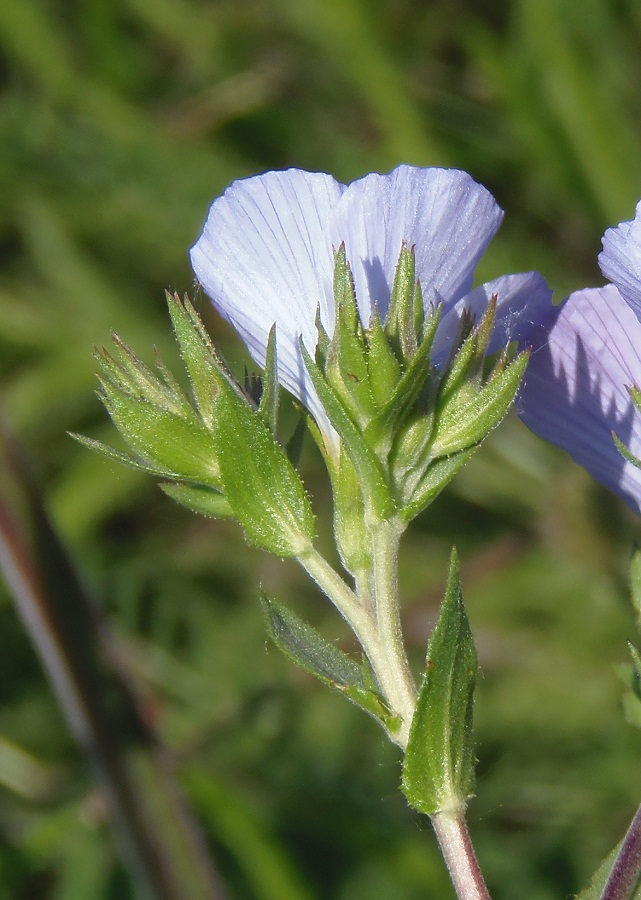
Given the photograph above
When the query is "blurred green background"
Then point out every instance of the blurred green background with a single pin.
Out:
(120, 121)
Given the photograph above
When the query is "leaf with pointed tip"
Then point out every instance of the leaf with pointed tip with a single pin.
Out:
(126, 373)
(309, 650)
(383, 368)
(346, 368)
(625, 452)
(600, 880)
(438, 770)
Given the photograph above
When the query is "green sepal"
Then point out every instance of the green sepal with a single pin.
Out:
(407, 390)
(199, 499)
(460, 426)
(623, 450)
(128, 375)
(344, 292)
(466, 357)
(204, 366)
(438, 769)
(405, 313)
(118, 456)
(263, 488)
(365, 462)
(308, 649)
(294, 446)
(435, 479)
(167, 440)
(270, 396)
(352, 538)
(346, 368)
(383, 368)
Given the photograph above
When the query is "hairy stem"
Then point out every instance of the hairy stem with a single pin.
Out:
(391, 666)
(458, 853)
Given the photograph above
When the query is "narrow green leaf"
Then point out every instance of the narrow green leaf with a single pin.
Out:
(308, 649)
(344, 292)
(200, 499)
(351, 535)
(263, 488)
(127, 374)
(438, 771)
(602, 874)
(600, 877)
(625, 452)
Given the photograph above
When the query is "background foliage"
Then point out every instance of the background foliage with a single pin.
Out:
(120, 121)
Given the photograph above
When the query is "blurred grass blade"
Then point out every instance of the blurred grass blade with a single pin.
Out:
(160, 841)
(267, 869)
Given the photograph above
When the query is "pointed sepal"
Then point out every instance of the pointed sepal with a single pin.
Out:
(200, 499)
(270, 393)
(264, 490)
(375, 488)
(204, 367)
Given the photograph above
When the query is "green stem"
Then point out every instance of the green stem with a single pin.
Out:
(381, 637)
(391, 665)
(341, 595)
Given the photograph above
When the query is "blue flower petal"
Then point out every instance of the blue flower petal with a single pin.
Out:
(443, 213)
(575, 391)
(523, 309)
(266, 256)
(620, 259)
(263, 258)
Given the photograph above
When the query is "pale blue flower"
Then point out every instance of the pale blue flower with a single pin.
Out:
(576, 389)
(266, 255)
